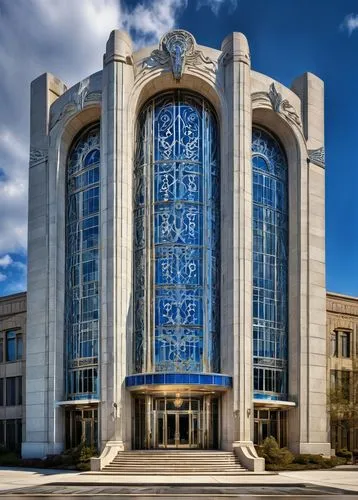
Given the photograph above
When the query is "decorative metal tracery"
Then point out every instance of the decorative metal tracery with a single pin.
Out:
(82, 256)
(270, 266)
(176, 236)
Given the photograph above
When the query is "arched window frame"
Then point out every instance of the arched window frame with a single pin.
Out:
(82, 304)
(145, 356)
(269, 322)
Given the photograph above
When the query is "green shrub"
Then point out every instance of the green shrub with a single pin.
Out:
(10, 459)
(273, 454)
(309, 461)
(344, 453)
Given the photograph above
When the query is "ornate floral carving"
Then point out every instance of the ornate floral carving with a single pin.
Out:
(283, 106)
(77, 101)
(37, 156)
(317, 155)
(177, 49)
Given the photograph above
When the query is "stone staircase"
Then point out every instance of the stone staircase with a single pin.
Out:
(175, 462)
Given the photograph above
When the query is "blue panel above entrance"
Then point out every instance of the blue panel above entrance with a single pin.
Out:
(212, 379)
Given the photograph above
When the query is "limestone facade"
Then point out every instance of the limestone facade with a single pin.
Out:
(241, 98)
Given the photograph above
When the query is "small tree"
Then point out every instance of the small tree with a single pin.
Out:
(342, 404)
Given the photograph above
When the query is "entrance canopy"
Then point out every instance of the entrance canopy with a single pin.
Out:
(176, 381)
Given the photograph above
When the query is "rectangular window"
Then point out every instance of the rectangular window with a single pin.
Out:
(13, 346)
(11, 434)
(333, 380)
(345, 383)
(1, 349)
(2, 433)
(13, 391)
(345, 344)
(334, 344)
(1, 392)
(10, 346)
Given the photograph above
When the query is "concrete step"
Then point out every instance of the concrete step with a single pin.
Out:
(175, 462)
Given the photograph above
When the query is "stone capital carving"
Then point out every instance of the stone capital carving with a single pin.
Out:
(37, 156)
(317, 156)
(178, 50)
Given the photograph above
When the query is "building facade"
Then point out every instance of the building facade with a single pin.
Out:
(176, 284)
(12, 370)
(342, 370)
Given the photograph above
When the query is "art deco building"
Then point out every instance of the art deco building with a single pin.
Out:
(176, 285)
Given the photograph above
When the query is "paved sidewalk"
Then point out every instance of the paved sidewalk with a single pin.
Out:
(12, 478)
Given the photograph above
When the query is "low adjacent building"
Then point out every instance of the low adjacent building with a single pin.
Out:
(12, 369)
(342, 369)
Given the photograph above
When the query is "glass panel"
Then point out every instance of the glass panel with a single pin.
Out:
(11, 391)
(270, 265)
(171, 429)
(82, 257)
(11, 434)
(2, 433)
(334, 344)
(19, 346)
(177, 179)
(10, 346)
(160, 431)
(19, 391)
(183, 428)
(345, 340)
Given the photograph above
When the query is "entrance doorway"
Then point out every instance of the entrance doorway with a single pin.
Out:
(270, 423)
(177, 430)
(81, 427)
(168, 422)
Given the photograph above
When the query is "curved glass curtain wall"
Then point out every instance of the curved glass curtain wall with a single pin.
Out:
(177, 235)
(270, 266)
(82, 258)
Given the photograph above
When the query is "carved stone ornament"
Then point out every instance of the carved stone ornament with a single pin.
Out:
(78, 99)
(280, 105)
(37, 156)
(177, 49)
(317, 156)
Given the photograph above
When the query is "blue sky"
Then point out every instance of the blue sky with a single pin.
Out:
(286, 37)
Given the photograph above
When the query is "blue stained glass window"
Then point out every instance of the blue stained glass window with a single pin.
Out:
(270, 266)
(82, 262)
(176, 236)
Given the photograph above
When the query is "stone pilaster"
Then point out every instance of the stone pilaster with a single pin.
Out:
(236, 326)
(41, 415)
(116, 240)
(313, 357)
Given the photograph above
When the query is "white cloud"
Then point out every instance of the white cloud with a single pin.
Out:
(3, 277)
(148, 22)
(66, 38)
(6, 261)
(350, 23)
(215, 5)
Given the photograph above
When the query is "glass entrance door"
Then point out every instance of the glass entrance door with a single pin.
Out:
(175, 427)
(163, 423)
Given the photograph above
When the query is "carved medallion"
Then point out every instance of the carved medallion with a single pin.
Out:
(177, 49)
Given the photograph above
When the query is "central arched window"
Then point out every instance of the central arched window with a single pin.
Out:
(270, 266)
(176, 277)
